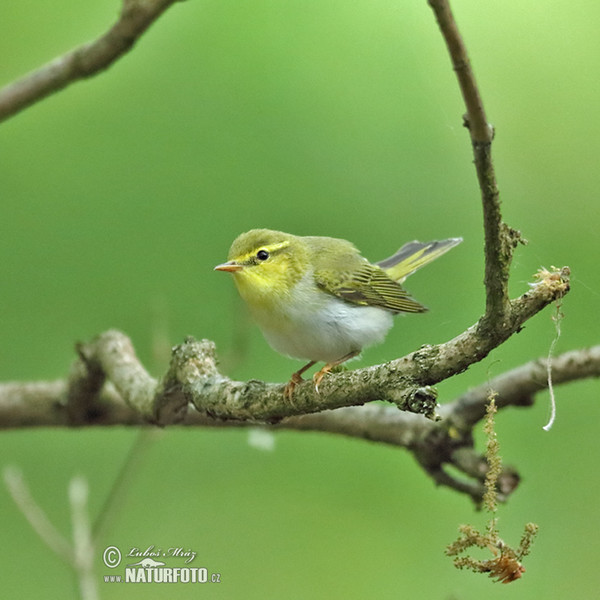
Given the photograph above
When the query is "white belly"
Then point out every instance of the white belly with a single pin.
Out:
(325, 328)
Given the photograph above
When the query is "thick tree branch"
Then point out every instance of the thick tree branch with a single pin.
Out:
(519, 386)
(86, 60)
(45, 404)
(433, 443)
(108, 366)
(193, 376)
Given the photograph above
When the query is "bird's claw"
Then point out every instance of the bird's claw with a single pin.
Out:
(296, 379)
(290, 386)
(318, 376)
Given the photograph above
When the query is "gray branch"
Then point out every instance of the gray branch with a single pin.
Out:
(108, 365)
(86, 60)
(434, 443)
(108, 385)
(79, 554)
(500, 239)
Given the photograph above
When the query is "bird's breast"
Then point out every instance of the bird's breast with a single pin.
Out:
(313, 325)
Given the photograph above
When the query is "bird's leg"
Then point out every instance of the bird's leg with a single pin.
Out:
(295, 379)
(318, 376)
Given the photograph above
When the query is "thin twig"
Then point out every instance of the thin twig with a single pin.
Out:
(130, 466)
(37, 518)
(481, 131)
(82, 539)
(500, 240)
(86, 60)
(518, 386)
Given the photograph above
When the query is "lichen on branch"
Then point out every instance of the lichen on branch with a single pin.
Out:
(506, 562)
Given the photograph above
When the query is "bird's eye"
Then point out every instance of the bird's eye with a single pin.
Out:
(262, 255)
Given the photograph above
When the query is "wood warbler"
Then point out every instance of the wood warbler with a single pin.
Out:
(317, 298)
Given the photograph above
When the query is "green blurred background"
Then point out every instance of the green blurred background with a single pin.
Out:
(119, 195)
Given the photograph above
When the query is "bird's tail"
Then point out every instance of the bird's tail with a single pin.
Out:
(413, 256)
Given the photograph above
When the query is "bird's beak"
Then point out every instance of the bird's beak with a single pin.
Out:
(230, 267)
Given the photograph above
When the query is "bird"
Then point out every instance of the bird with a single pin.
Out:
(318, 299)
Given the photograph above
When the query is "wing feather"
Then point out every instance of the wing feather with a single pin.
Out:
(368, 285)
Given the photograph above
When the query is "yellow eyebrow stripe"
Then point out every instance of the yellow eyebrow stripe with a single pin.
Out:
(275, 247)
(270, 248)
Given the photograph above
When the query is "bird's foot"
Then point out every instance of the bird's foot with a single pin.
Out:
(290, 386)
(318, 376)
(295, 379)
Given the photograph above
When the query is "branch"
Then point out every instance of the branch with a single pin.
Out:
(193, 378)
(37, 518)
(79, 554)
(434, 444)
(500, 240)
(518, 386)
(43, 404)
(83, 545)
(109, 371)
(86, 60)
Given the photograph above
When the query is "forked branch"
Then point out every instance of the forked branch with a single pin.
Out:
(435, 444)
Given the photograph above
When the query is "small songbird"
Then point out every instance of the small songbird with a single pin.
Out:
(317, 298)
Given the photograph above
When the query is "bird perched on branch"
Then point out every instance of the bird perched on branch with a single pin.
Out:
(317, 299)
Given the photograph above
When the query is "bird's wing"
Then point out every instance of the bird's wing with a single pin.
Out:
(367, 285)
